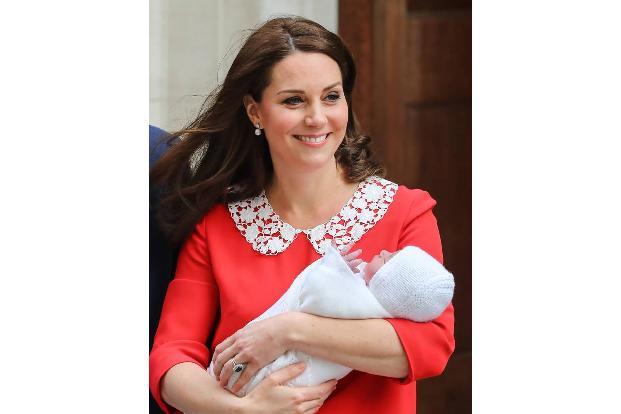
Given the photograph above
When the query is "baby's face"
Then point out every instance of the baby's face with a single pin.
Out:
(376, 262)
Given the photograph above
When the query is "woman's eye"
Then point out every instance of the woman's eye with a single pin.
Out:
(297, 100)
(333, 97)
(294, 100)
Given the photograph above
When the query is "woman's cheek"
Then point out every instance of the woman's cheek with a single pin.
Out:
(340, 116)
(285, 121)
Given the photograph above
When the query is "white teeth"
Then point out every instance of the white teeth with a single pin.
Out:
(314, 140)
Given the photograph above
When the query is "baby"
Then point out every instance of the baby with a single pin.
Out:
(408, 284)
(414, 286)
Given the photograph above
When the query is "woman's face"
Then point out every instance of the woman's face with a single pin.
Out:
(303, 112)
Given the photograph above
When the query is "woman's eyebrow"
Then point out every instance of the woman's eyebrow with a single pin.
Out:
(301, 91)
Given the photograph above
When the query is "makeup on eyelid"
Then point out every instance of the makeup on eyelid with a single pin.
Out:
(330, 98)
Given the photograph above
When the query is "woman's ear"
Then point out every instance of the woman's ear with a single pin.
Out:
(252, 109)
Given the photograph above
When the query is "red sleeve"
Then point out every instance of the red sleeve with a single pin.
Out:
(188, 314)
(427, 345)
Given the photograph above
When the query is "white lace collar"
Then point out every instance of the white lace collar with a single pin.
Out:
(269, 234)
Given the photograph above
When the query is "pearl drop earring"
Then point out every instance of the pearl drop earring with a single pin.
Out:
(257, 130)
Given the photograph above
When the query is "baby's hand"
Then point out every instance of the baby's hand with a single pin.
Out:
(376, 263)
(351, 258)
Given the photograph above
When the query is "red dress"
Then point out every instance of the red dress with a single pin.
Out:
(223, 281)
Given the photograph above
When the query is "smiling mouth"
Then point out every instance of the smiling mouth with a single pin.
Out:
(315, 139)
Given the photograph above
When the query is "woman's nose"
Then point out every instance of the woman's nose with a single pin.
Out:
(315, 116)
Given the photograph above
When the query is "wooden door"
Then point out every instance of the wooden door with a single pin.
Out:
(414, 98)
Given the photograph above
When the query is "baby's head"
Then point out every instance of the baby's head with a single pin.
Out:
(376, 262)
(411, 285)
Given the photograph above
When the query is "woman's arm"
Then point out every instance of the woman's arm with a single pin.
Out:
(190, 389)
(368, 345)
(188, 315)
(396, 348)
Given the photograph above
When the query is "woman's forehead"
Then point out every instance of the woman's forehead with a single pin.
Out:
(302, 70)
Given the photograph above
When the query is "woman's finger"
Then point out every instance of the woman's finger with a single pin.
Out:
(221, 347)
(223, 358)
(245, 376)
(314, 392)
(323, 391)
(227, 372)
(287, 373)
(251, 368)
(311, 406)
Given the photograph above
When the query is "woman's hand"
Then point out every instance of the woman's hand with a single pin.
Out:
(256, 345)
(272, 397)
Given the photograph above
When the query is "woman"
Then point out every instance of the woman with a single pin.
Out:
(270, 173)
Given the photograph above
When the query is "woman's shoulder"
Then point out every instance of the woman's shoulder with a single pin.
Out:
(401, 204)
(215, 215)
(412, 199)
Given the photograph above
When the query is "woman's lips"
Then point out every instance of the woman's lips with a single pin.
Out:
(312, 140)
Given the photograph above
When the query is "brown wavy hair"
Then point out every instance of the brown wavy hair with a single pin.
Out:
(216, 158)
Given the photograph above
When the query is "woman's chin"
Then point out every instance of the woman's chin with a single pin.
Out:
(314, 163)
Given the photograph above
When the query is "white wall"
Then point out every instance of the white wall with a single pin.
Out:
(193, 42)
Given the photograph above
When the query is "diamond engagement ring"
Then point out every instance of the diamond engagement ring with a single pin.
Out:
(238, 366)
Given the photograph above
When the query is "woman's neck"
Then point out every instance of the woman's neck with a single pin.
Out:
(307, 199)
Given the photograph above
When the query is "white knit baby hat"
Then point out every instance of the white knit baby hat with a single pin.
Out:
(413, 285)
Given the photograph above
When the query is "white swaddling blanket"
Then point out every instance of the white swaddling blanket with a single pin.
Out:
(328, 287)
